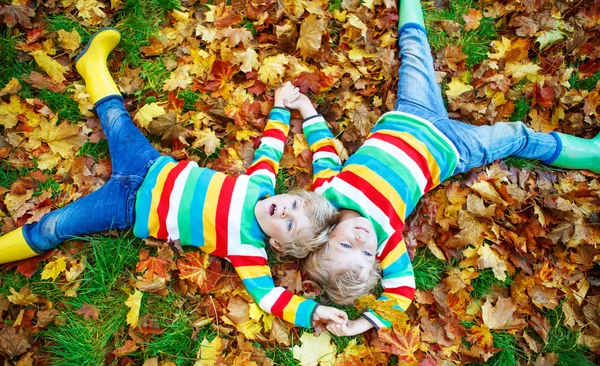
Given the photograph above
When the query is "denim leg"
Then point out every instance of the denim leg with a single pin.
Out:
(417, 88)
(109, 207)
(130, 150)
(479, 145)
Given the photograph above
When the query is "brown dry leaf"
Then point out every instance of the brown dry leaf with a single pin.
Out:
(89, 312)
(11, 87)
(14, 342)
(238, 310)
(502, 315)
(311, 33)
(490, 258)
(472, 19)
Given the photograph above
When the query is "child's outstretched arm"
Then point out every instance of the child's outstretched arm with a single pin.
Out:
(269, 152)
(326, 161)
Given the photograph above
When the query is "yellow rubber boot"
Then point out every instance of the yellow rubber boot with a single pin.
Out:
(13, 247)
(91, 64)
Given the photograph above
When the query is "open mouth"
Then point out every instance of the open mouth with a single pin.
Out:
(272, 209)
(362, 228)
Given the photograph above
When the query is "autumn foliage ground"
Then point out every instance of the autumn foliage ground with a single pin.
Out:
(505, 256)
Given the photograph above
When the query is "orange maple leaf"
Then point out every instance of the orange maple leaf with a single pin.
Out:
(218, 81)
(403, 343)
(193, 267)
(152, 265)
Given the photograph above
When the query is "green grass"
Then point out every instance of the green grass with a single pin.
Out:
(137, 21)
(522, 107)
(189, 98)
(16, 64)
(510, 354)
(563, 342)
(588, 83)
(475, 43)
(8, 174)
(95, 150)
(155, 73)
(523, 163)
(335, 5)
(282, 181)
(428, 269)
(486, 282)
(67, 22)
(62, 104)
(282, 356)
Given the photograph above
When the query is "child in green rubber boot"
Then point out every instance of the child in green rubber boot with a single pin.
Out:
(230, 217)
(409, 151)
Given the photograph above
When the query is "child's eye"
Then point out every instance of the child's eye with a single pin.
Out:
(295, 204)
(368, 254)
(346, 245)
(289, 225)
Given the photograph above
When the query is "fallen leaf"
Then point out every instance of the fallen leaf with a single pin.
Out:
(53, 269)
(134, 302)
(54, 69)
(315, 351)
(89, 312)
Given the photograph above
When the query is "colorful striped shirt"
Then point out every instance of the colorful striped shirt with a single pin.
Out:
(403, 157)
(215, 212)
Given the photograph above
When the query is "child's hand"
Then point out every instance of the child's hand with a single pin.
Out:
(286, 94)
(329, 314)
(303, 105)
(349, 328)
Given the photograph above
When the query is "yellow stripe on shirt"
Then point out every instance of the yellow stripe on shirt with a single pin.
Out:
(153, 222)
(210, 212)
(253, 271)
(380, 185)
(394, 254)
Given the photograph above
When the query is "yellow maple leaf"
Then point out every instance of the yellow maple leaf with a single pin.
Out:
(354, 21)
(23, 297)
(489, 258)
(64, 139)
(9, 112)
(249, 328)
(147, 113)
(134, 302)
(500, 47)
(456, 87)
(180, 78)
(300, 144)
(357, 54)
(11, 87)
(311, 33)
(272, 69)
(90, 10)
(520, 70)
(257, 313)
(69, 40)
(206, 138)
(248, 59)
(53, 269)
(49, 65)
(315, 350)
(209, 351)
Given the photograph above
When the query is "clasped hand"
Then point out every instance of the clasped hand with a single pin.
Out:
(338, 323)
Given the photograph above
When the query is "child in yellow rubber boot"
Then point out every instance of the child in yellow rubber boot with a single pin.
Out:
(226, 216)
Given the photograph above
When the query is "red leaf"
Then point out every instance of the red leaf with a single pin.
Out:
(33, 35)
(27, 267)
(88, 311)
(21, 185)
(308, 81)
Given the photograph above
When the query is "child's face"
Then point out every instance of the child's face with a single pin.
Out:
(353, 243)
(283, 217)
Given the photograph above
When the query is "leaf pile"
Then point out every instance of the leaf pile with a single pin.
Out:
(505, 255)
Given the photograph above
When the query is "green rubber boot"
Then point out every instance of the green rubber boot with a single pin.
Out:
(410, 12)
(578, 153)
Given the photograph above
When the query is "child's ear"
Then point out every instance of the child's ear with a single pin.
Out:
(275, 244)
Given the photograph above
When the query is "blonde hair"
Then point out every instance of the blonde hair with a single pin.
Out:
(341, 286)
(323, 217)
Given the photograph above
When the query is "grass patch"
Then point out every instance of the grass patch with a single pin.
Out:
(335, 5)
(8, 174)
(167, 5)
(282, 181)
(486, 282)
(522, 107)
(66, 22)
(249, 25)
(509, 353)
(588, 83)
(155, 72)
(281, 356)
(95, 150)
(62, 104)
(137, 21)
(428, 269)
(15, 63)
(475, 43)
(563, 342)
(189, 99)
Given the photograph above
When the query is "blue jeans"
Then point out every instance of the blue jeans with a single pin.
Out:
(420, 95)
(112, 205)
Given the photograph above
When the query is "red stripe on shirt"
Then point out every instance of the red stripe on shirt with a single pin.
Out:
(394, 240)
(262, 165)
(244, 261)
(326, 148)
(281, 303)
(163, 204)
(419, 159)
(275, 133)
(405, 291)
(222, 216)
(320, 181)
(374, 196)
